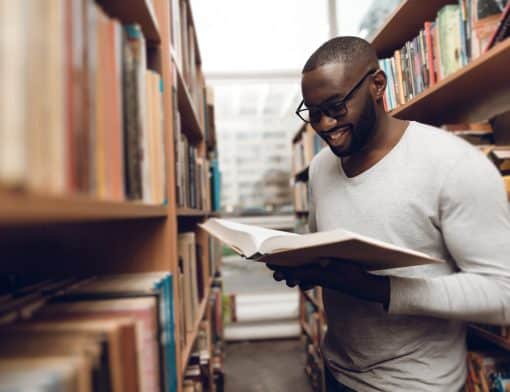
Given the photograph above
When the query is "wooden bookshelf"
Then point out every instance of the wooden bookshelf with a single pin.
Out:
(85, 235)
(190, 122)
(25, 207)
(466, 95)
(486, 335)
(403, 24)
(191, 336)
(136, 11)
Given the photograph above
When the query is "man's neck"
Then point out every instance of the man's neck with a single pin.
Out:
(388, 131)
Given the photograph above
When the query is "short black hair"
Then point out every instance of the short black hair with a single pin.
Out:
(350, 50)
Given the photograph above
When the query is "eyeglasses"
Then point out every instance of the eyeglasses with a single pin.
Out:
(333, 109)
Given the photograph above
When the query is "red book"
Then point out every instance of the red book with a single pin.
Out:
(430, 53)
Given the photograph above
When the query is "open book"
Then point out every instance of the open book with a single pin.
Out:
(292, 250)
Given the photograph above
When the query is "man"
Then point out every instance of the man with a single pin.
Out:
(415, 186)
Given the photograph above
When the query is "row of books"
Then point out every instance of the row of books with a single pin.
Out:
(84, 112)
(488, 371)
(112, 333)
(301, 196)
(210, 121)
(192, 282)
(487, 136)
(186, 51)
(313, 321)
(304, 148)
(314, 367)
(215, 255)
(196, 182)
(204, 371)
(459, 34)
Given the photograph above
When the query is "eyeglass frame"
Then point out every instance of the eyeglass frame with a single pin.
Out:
(343, 101)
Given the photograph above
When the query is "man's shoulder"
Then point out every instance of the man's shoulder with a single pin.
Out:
(438, 145)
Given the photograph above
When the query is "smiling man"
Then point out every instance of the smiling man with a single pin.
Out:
(415, 186)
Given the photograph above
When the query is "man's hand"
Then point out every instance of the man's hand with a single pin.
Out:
(340, 275)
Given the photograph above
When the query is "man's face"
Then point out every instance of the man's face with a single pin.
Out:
(349, 133)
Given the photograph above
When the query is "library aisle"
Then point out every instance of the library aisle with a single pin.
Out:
(134, 134)
(260, 365)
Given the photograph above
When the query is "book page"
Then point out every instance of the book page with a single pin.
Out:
(283, 243)
(246, 238)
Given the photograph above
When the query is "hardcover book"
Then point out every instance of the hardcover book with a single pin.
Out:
(293, 250)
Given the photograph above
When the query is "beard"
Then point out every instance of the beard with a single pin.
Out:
(361, 133)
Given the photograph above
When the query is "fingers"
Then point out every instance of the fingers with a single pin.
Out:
(306, 276)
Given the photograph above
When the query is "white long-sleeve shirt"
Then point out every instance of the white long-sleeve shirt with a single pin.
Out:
(434, 193)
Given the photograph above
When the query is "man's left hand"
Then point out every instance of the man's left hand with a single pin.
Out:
(344, 276)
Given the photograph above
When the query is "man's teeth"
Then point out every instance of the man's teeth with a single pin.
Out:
(337, 134)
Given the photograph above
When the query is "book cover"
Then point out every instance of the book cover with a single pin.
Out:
(293, 250)
(132, 117)
(429, 50)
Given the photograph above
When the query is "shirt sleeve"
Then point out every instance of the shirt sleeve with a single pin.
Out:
(475, 224)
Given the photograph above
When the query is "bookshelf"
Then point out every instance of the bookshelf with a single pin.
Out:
(393, 32)
(191, 124)
(93, 233)
(191, 336)
(457, 98)
(490, 337)
(474, 93)
(136, 11)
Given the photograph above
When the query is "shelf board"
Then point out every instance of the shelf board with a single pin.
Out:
(189, 117)
(301, 175)
(191, 336)
(135, 11)
(26, 207)
(478, 86)
(486, 335)
(405, 23)
(192, 212)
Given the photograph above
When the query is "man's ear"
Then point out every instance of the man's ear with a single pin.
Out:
(380, 82)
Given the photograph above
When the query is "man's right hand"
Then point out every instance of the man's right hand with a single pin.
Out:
(280, 274)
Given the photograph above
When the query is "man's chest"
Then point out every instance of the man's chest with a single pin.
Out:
(383, 208)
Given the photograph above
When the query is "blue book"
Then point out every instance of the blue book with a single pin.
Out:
(215, 185)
